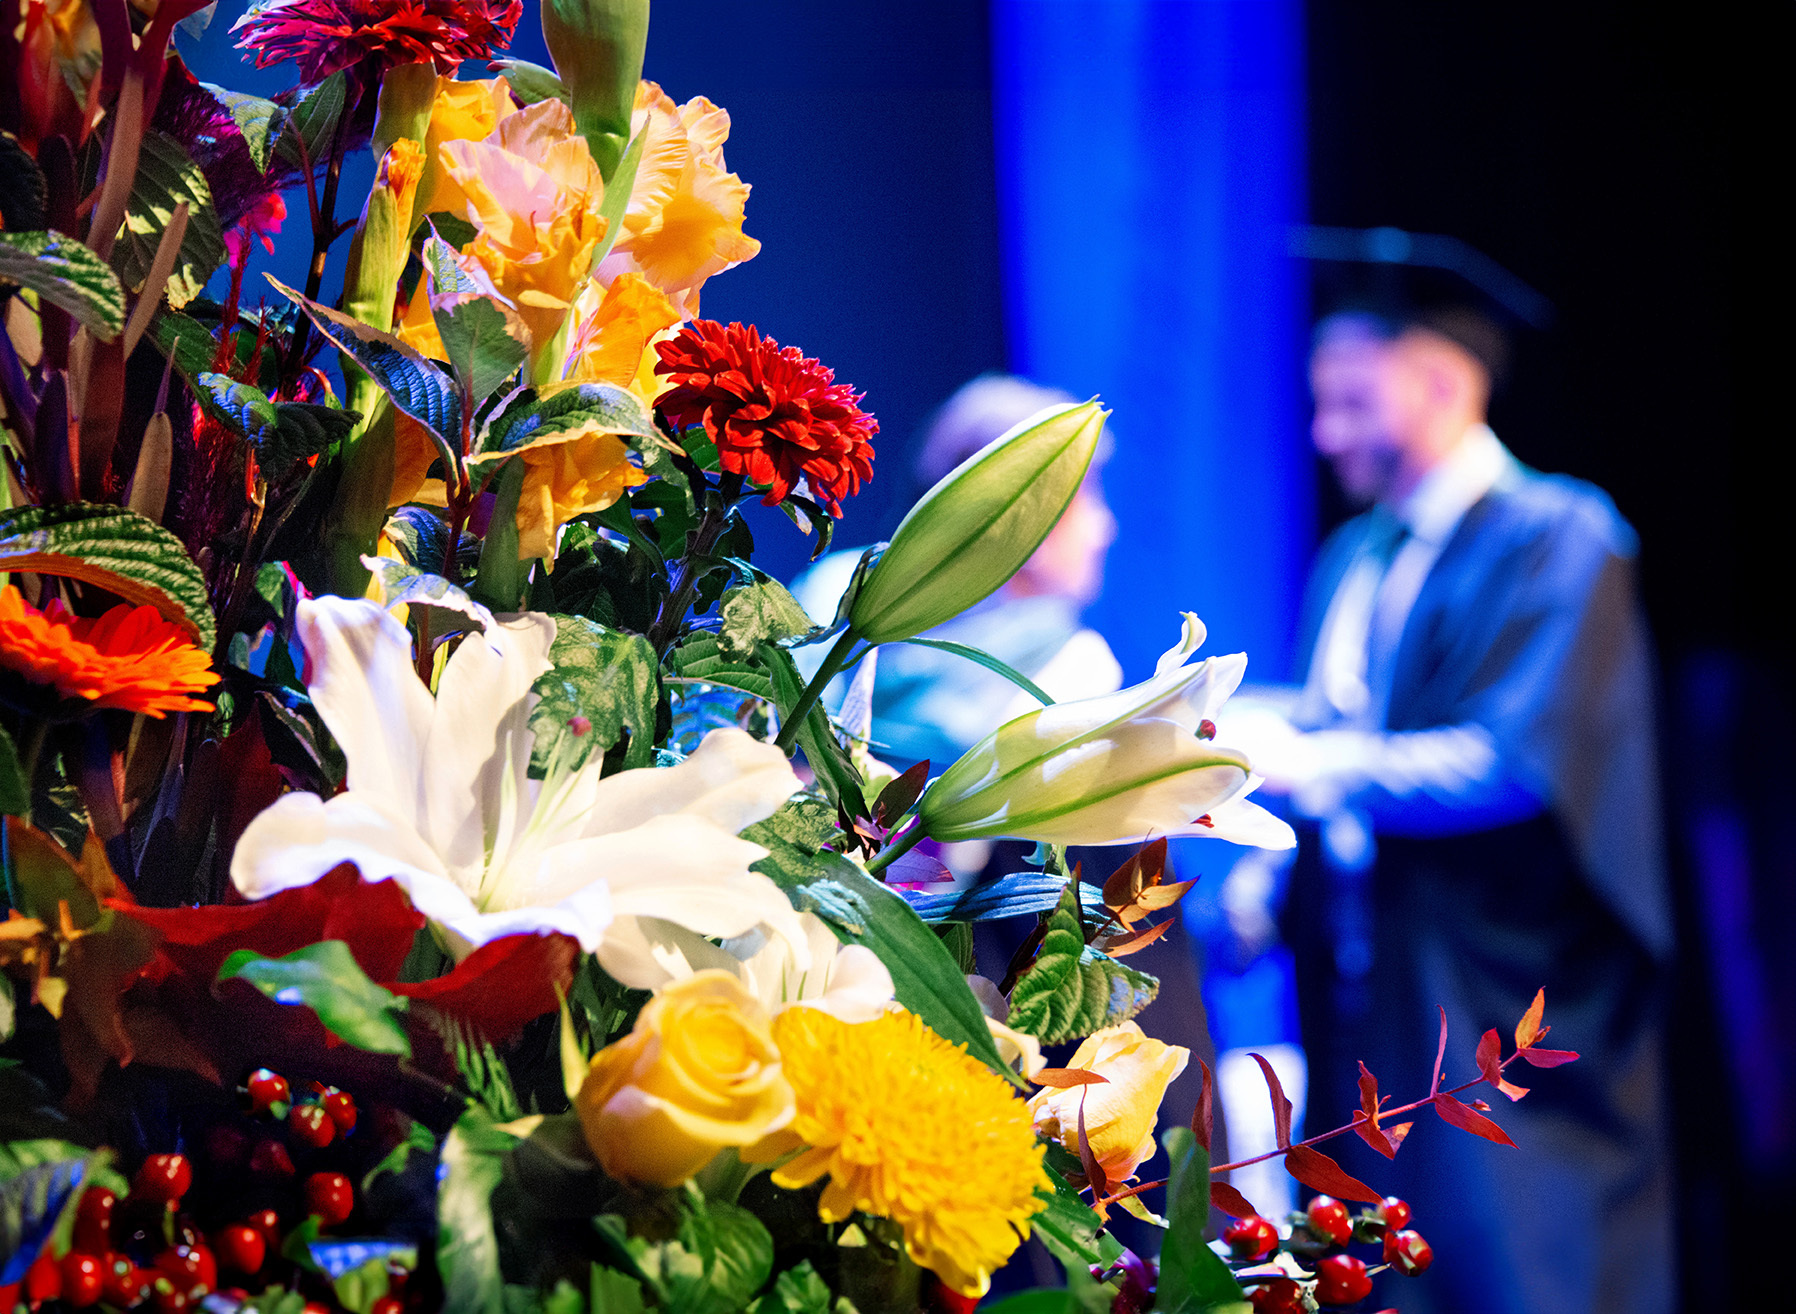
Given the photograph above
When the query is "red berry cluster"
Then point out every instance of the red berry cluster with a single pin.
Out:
(1323, 1231)
(147, 1251)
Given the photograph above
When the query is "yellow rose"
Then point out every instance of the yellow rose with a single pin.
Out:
(1120, 1113)
(699, 1072)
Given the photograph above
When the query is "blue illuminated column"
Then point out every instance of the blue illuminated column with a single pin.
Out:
(1149, 159)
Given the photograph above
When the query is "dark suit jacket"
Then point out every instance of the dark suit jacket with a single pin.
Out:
(1528, 626)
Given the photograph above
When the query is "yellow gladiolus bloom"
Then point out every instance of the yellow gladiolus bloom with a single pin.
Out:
(535, 194)
(684, 221)
(699, 1071)
(1120, 1113)
(463, 111)
(615, 334)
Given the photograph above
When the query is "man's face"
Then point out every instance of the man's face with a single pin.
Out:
(1368, 403)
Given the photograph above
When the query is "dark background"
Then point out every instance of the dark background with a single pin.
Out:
(1627, 160)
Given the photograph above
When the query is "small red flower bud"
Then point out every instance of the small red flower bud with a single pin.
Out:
(578, 724)
(122, 1282)
(1408, 1252)
(270, 1159)
(1251, 1238)
(341, 1108)
(1394, 1212)
(268, 1223)
(330, 1197)
(1342, 1280)
(241, 1247)
(1281, 1296)
(1206, 729)
(83, 1279)
(172, 1299)
(43, 1280)
(312, 1125)
(387, 1305)
(93, 1221)
(267, 1089)
(188, 1267)
(1330, 1220)
(164, 1178)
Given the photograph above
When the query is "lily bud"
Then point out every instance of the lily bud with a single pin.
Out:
(597, 46)
(978, 525)
(1115, 769)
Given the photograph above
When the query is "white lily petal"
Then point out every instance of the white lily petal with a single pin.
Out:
(732, 780)
(360, 676)
(653, 952)
(480, 734)
(1191, 638)
(858, 986)
(301, 837)
(1242, 822)
(586, 917)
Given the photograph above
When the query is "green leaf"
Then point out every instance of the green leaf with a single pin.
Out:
(167, 176)
(260, 121)
(1072, 990)
(605, 676)
(15, 789)
(530, 83)
(34, 1198)
(1071, 1229)
(421, 388)
(617, 194)
(499, 578)
(1192, 1277)
(485, 340)
(245, 408)
(418, 1140)
(535, 419)
(312, 123)
(700, 660)
(721, 1256)
(990, 663)
(614, 1293)
(303, 429)
(823, 750)
(796, 1291)
(793, 837)
(401, 585)
(113, 549)
(66, 274)
(358, 1289)
(326, 978)
(924, 974)
(467, 1244)
(762, 611)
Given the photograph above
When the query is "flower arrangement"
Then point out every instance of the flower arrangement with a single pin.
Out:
(430, 881)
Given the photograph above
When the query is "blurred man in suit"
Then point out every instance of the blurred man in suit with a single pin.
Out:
(1473, 748)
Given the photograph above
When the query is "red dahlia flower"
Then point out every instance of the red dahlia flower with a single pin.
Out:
(774, 413)
(322, 36)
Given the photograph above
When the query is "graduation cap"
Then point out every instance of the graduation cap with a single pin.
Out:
(1422, 280)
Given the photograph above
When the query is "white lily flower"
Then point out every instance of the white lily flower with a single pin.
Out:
(440, 799)
(847, 980)
(1120, 768)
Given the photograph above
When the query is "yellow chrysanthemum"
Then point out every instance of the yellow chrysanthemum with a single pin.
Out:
(909, 1127)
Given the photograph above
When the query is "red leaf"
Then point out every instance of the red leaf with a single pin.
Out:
(1466, 1118)
(1549, 1058)
(1281, 1107)
(1122, 946)
(1063, 1078)
(1440, 1054)
(1527, 1031)
(1366, 1124)
(1397, 1134)
(1231, 1201)
(1203, 1119)
(895, 799)
(1321, 1173)
(374, 918)
(1489, 1056)
(503, 984)
(1095, 1176)
(1481, 1106)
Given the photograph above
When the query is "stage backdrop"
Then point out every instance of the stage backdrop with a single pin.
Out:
(1149, 165)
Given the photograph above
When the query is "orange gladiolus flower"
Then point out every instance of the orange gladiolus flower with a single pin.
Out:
(130, 658)
(684, 221)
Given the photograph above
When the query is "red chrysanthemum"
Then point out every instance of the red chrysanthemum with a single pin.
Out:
(322, 36)
(774, 413)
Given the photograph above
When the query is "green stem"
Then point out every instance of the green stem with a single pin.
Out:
(896, 849)
(692, 567)
(833, 665)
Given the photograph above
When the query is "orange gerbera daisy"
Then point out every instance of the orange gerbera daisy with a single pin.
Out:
(129, 658)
